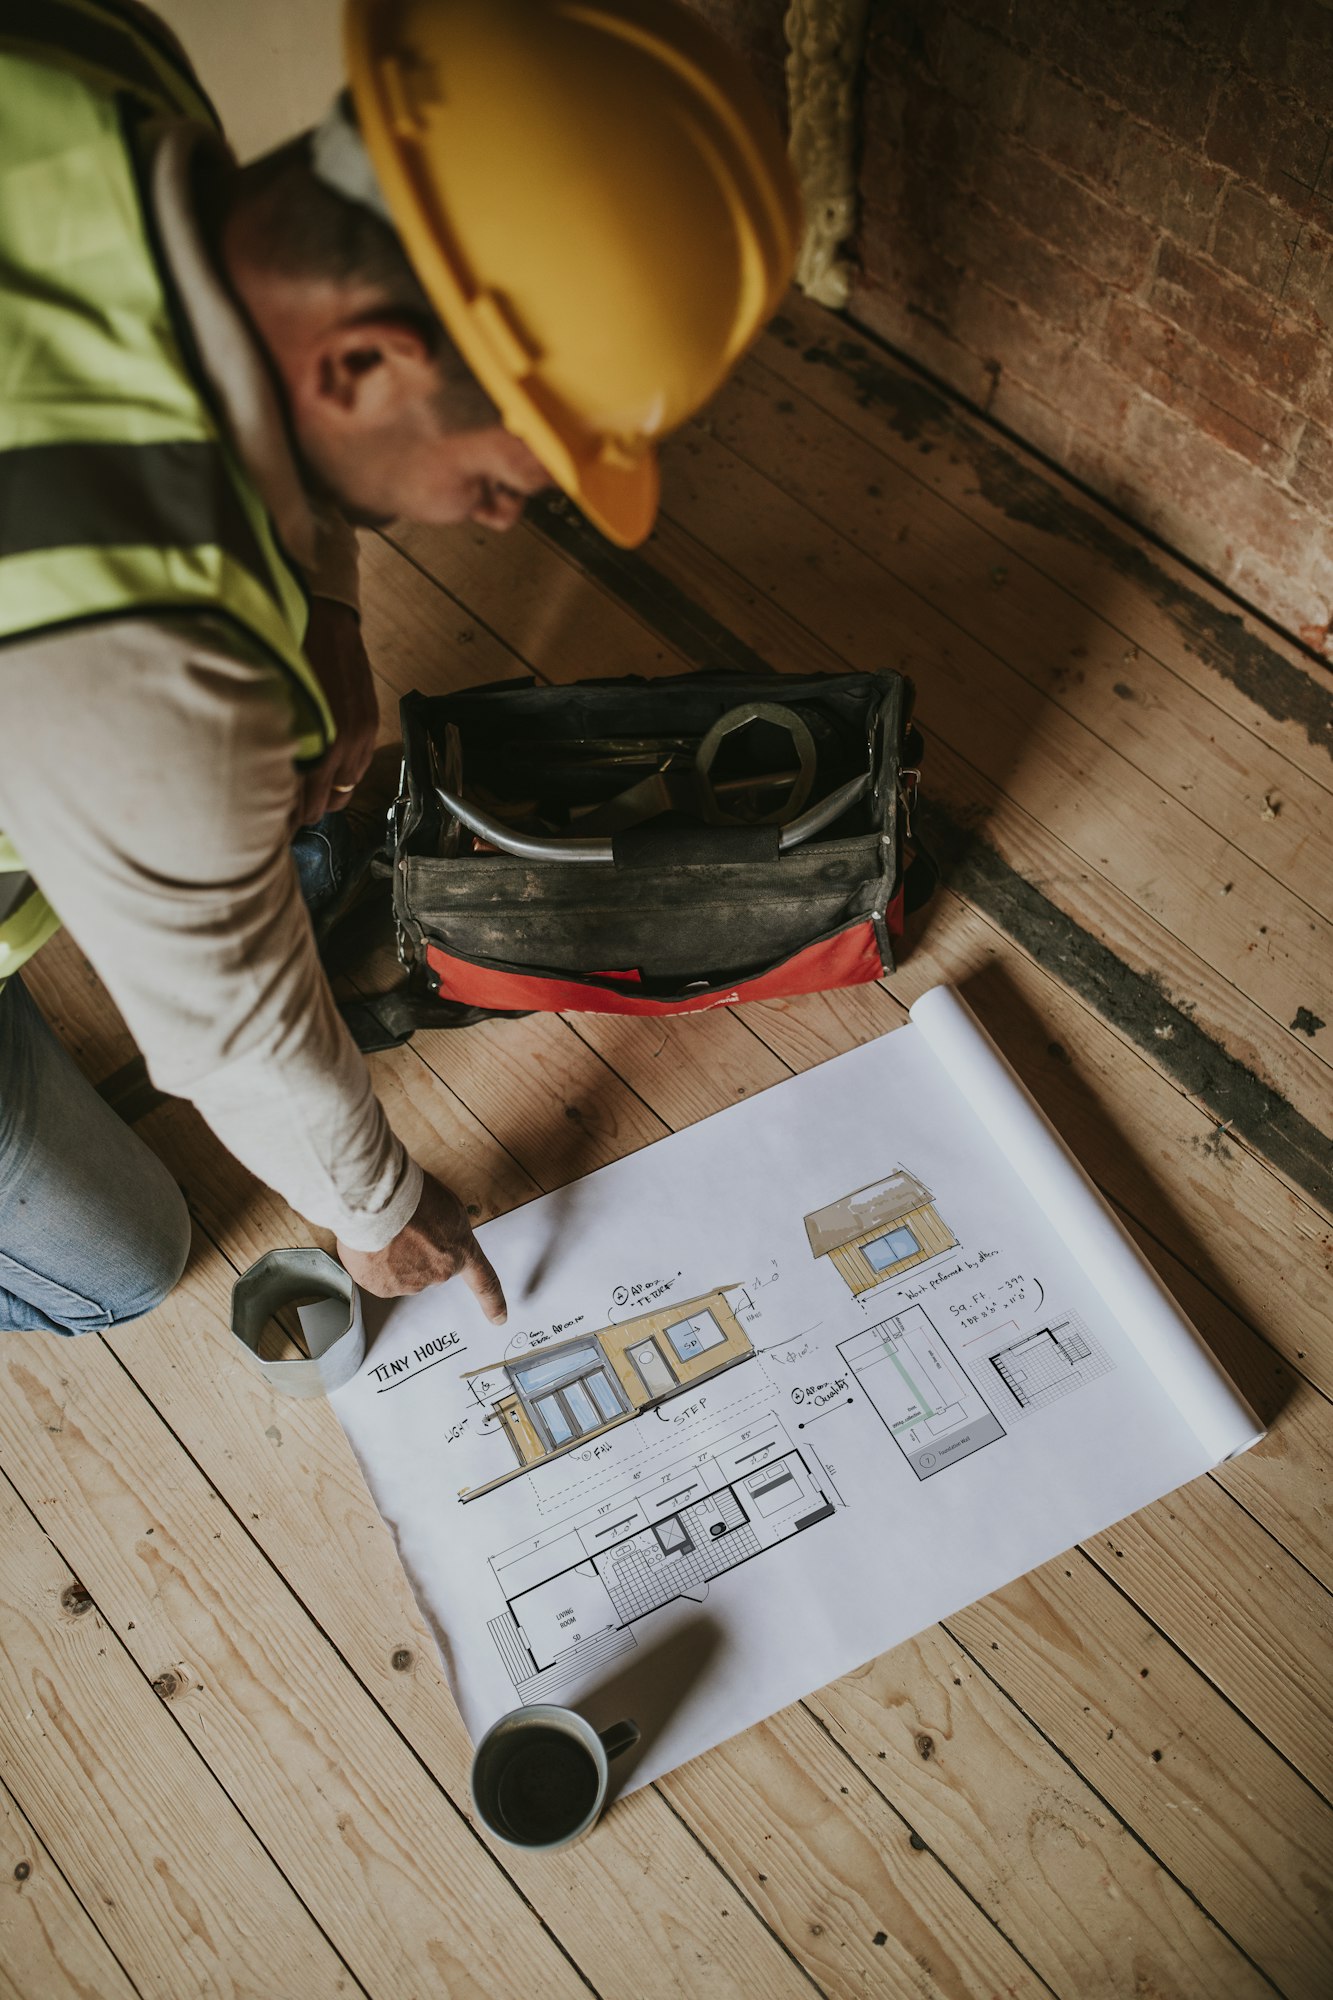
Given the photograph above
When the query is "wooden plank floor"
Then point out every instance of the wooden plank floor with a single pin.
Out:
(231, 1761)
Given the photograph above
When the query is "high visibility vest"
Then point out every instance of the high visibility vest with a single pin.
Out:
(120, 494)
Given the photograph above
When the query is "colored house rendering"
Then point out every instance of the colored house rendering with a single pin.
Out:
(553, 1399)
(880, 1231)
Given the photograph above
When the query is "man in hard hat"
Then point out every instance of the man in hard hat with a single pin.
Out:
(529, 241)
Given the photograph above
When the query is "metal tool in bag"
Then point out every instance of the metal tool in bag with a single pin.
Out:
(647, 846)
(680, 786)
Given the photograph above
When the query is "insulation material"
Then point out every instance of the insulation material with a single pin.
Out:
(825, 43)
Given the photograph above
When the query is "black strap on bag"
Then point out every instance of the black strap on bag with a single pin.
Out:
(388, 1020)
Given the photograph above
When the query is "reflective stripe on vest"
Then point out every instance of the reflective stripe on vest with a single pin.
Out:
(119, 494)
(26, 922)
(26, 918)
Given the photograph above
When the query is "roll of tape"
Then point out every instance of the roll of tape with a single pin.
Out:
(332, 1324)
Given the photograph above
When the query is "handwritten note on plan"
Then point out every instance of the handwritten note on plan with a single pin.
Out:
(777, 1393)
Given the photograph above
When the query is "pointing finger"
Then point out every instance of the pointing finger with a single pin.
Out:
(481, 1276)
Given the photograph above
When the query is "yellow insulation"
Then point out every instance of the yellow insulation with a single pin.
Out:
(825, 40)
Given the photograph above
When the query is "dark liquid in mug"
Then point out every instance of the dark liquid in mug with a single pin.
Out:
(547, 1787)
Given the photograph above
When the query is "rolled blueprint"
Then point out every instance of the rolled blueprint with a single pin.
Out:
(1171, 1346)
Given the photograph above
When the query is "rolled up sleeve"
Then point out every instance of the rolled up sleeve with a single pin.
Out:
(153, 802)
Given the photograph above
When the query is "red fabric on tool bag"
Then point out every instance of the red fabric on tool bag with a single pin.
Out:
(851, 957)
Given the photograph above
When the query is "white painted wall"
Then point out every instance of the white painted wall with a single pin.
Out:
(270, 66)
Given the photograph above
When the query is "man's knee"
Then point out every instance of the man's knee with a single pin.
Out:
(155, 1261)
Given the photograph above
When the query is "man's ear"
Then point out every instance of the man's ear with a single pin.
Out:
(364, 372)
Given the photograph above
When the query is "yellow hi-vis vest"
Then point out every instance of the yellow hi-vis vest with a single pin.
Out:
(120, 495)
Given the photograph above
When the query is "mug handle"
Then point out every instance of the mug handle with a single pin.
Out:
(620, 1736)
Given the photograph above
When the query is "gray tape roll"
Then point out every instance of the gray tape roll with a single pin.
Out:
(333, 1327)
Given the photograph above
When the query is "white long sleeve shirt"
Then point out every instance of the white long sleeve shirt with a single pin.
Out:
(146, 778)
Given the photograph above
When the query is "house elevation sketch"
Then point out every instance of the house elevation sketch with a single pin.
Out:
(550, 1399)
(663, 1494)
(1047, 1364)
(880, 1231)
(931, 1410)
(569, 1594)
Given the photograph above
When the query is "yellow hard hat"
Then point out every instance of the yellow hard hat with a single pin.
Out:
(599, 206)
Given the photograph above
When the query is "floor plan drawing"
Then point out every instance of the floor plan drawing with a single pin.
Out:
(1048, 1364)
(551, 1399)
(572, 1595)
(921, 1393)
(880, 1231)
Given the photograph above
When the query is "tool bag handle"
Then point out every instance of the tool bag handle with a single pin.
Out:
(387, 1020)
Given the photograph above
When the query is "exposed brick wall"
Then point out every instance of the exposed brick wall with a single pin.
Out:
(1113, 227)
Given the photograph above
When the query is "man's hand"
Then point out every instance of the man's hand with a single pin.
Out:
(334, 649)
(436, 1244)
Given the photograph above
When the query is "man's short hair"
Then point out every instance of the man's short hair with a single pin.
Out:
(304, 229)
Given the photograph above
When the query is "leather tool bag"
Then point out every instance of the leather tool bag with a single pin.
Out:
(648, 847)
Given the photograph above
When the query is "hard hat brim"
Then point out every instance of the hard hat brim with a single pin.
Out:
(620, 500)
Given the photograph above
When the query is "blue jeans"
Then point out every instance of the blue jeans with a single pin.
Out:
(93, 1229)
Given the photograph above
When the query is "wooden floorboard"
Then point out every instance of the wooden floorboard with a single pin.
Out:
(50, 1948)
(138, 1824)
(236, 1767)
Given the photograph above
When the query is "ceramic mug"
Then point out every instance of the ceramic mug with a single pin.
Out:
(540, 1774)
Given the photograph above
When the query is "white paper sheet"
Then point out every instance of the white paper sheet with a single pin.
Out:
(909, 1405)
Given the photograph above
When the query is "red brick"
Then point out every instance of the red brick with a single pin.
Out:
(1194, 384)
(881, 308)
(1066, 375)
(918, 141)
(1117, 473)
(1284, 258)
(1004, 335)
(1102, 466)
(1289, 596)
(1312, 479)
(1315, 395)
(1133, 64)
(1211, 27)
(1269, 142)
(1289, 43)
(1233, 322)
(1309, 286)
(977, 68)
(896, 28)
(1023, 267)
(924, 266)
(1071, 128)
(1174, 189)
(1255, 237)
(1029, 415)
(1016, 21)
(1174, 463)
(1112, 245)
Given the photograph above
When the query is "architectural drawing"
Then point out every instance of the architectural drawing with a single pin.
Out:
(552, 1399)
(616, 1516)
(1047, 1364)
(572, 1594)
(880, 1231)
(927, 1403)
